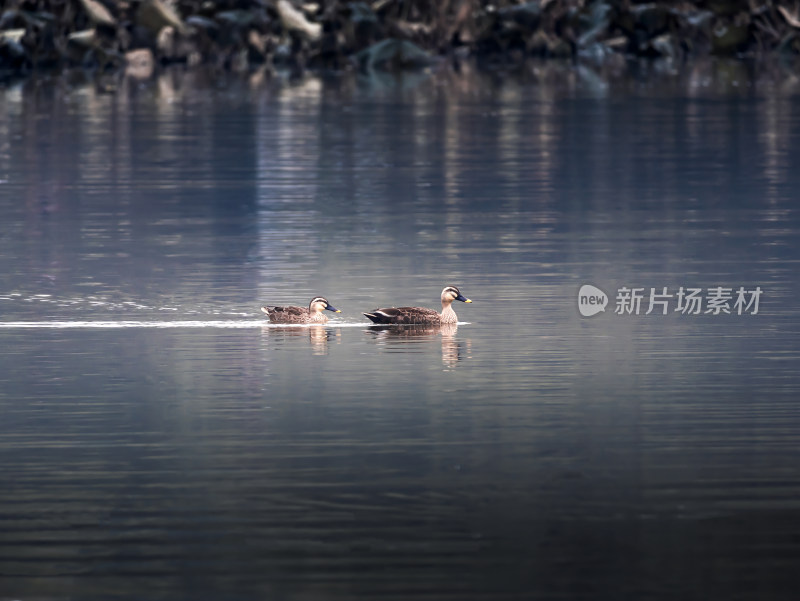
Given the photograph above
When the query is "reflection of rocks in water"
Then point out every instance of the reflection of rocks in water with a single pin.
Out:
(318, 336)
(453, 351)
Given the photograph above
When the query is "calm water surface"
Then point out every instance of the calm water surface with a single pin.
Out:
(158, 440)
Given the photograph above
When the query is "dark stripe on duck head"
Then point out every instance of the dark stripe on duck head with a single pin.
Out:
(317, 299)
(456, 293)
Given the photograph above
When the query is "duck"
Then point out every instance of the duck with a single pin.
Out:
(292, 314)
(421, 315)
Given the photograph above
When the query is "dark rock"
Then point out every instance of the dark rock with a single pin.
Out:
(790, 44)
(594, 23)
(525, 15)
(204, 24)
(361, 13)
(257, 46)
(11, 19)
(652, 19)
(13, 56)
(665, 46)
(548, 46)
(393, 55)
(236, 18)
(725, 7)
(80, 47)
(699, 19)
(362, 27)
(728, 37)
(282, 55)
(596, 53)
(559, 48)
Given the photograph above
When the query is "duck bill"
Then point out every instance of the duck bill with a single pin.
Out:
(332, 308)
(463, 299)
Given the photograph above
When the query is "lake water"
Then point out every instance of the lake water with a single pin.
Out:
(159, 440)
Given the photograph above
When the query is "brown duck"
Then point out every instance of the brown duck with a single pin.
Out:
(421, 315)
(291, 314)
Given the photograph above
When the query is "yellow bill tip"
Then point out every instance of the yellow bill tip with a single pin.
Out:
(468, 301)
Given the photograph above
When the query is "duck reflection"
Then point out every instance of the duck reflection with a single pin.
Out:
(318, 336)
(453, 350)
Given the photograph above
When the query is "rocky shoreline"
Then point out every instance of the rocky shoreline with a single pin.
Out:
(139, 36)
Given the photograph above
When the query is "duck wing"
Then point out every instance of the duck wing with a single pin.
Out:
(403, 315)
(288, 314)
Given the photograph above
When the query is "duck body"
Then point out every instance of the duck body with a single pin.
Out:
(405, 316)
(291, 314)
(420, 315)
